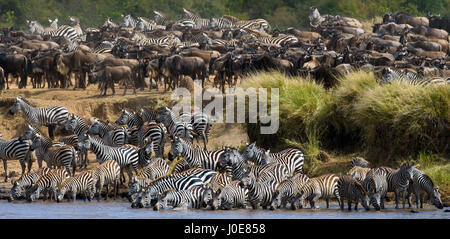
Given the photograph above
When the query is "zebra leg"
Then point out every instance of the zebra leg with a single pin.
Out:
(328, 202)
(422, 198)
(403, 198)
(107, 191)
(5, 166)
(50, 131)
(396, 198)
(349, 202)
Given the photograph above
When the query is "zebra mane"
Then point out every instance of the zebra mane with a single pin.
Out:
(231, 18)
(175, 165)
(26, 101)
(361, 187)
(63, 183)
(279, 184)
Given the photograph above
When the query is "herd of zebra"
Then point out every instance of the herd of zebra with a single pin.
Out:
(226, 178)
(146, 52)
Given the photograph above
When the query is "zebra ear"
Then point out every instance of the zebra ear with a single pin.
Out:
(412, 163)
(56, 20)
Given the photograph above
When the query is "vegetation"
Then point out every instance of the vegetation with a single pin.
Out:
(281, 14)
(387, 122)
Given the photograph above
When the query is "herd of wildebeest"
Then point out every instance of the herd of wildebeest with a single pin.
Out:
(141, 52)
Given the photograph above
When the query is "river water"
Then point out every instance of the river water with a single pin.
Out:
(123, 210)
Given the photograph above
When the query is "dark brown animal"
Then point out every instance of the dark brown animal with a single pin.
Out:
(112, 74)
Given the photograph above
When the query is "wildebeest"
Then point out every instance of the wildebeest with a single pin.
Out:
(111, 74)
(16, 64)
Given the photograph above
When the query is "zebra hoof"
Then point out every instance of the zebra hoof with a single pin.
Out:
(414, 211)
(447, 210)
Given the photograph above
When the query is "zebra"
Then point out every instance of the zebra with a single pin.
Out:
(358, 173)
(376, 186)
(221, 23)
(200, 38)
(128, 21)
(51, 116)
(47, 183)
(180, 166)
(145, 24)
(158, 186)
(323, 186)
(34, 27)
(163, 41)
(279, 41)
(259, 24)
(352, 190)
(232, 158)
(73, 141)
(111, 135)
(109, 24)
(361, 162)
(230, 196)
(161, 19)
(82, 182)
(421, 184)
(201, 124)
(390, 75)
(25, 182)
(219, 180)
(287, 189)
(53, 154)
(16, 148)
(398, 181)
(292, 158)
(74, 22)
(68, 32)
(195, 197)
(176, 125)
(79, 127)
(155, 169)
(194, 155)
(200, 23)
(148, 115)
(259, 193)
(105, 174)
(125, 155)
(103, 47)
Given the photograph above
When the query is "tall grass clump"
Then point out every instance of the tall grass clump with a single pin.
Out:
(401, 119)
(300, 101)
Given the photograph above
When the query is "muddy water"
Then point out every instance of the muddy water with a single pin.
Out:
(121, 209)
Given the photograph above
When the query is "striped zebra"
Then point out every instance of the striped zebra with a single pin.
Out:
(34, 27)
(81, 183)
(279, 41)
(259, 193)
(163, 41)
(25, 182)
(200, 23)
(145, 24)
(180, 165)
(126, 156)
(109, 24)
(161, 19)
(128, 21)
(421, 184)
(324, 186)
(358, 173)
(79, 127)
(232, 158)
(193, 198)
(292, 158)
(361, 162)
(352, 190)
(50, 117)
(55, 155)
(106, 174)
(200, 38)
(194, 155)
(103, 47)
(74, 22)
(259, 24)
(287, 189)
(219, 180)
(230, 196)
(148, 115)
(111, 135)
(390, 75)
(68, 32)
(376, 186)
(155, 169)
(47, 183)
(201, 124)
(73, 141)
(175, 124)
(398, 181)
(221, 23)
(161, 185)
(15, 148)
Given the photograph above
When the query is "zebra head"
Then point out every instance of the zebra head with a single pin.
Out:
(124, 118)
(407, 170)
(73, 21)
(33, 27)
(435, 198)
(207, 197)
(213, 23)
(148, 146)
(60, 193)
(18, 105)
(54, 23)
(85, 144)
(37, 142)
(32, 193)
(177, 146)
(71, 123)
(276, 201)
(133, 187)
(17, 190)
(127, 21)
(95, 128)
(136, 199)
(29, 134)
